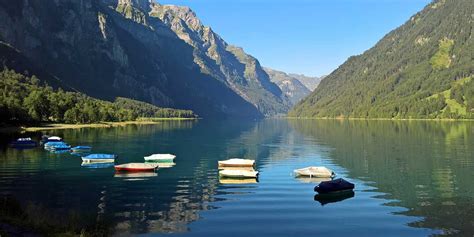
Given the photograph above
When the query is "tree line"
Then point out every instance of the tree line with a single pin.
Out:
(26, 99)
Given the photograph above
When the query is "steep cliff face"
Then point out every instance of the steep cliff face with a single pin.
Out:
(226, 63)
(110, 48)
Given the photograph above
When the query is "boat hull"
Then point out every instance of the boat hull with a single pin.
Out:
(238, 175)
(120, 169)
(85, 160)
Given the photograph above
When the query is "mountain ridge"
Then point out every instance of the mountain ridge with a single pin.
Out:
(399, 76)
(117, 48)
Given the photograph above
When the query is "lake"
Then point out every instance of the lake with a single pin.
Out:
(413, 178)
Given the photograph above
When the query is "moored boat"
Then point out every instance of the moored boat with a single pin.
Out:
(136, 167)
(334, 186)
(160, 158)
(313, 171)
(46, 139)
(99, 158)
(61, 147)
(50, 145)
(25, 142)
(238, 173)
(236, 162)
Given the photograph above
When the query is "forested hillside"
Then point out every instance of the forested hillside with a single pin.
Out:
(28, 100)
(423, 69)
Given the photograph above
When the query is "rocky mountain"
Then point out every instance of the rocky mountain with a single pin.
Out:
(136, 49)
(423, 69)
(227, 63)
(310, 82)
(291, 86)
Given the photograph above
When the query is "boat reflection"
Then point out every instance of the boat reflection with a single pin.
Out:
(166, 165)
(315, 180)
(135, 175)
(96, 165)
(327, 198)
(224, 180)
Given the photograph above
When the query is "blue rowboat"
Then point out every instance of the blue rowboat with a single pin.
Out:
(50, 145)
(23, 143)
(61, 147)
(81, 148)
(99, 158)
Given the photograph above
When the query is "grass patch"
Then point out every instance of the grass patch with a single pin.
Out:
(442, 58)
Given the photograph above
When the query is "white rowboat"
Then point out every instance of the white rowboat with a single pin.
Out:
(238, 173)
(160, 157)
(235, 162)
(313, 171)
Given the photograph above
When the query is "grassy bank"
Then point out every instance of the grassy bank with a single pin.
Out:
(56, 126)
(379, 119)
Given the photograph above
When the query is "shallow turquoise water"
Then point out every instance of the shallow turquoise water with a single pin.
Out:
(412, 179)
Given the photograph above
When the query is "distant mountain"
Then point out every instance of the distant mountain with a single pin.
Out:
(310, 82)
(136, 49)
(291, 86)
(423, 69)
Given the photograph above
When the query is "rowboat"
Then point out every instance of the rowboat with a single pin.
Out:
(23, 143)
(238, 173)
(236, 162)
(334, 186)
(50, 145)
(99, 158)
(129, 175)
(313, 171)
(97, 165)
(61, 147)
(81, 148)
(57, 146)
(160, 157)
(136, 167)
(46, 139)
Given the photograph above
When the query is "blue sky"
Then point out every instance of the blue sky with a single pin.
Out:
(311, 37)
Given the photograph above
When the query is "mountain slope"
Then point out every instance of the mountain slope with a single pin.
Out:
(289, 85)
(413, 72)
(115, 48)
(227, 63)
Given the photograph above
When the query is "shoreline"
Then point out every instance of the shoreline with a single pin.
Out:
(380, 119)
(61, 126)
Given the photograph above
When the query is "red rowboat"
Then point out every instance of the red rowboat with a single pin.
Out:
(136, 167)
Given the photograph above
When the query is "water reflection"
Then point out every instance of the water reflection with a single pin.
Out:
(425, 166)
(421, 171)
(325, 199)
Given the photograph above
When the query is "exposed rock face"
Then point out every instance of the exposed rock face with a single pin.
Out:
(293, 88)
(310, 82)
(227, 63)
(137, 49)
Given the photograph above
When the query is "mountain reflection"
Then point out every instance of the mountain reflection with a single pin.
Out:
(425, 165)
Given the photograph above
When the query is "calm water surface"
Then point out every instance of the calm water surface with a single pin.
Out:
(412, 179)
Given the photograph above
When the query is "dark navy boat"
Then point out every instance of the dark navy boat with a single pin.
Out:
(22, 143)
(334, 186)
